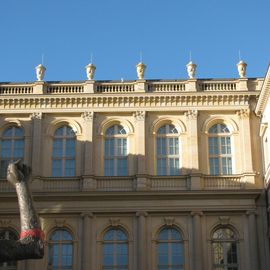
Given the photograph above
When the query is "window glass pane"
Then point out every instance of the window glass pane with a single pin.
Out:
(70, 148)
(57, 168)
(108, 167)
(214, 166)
(122, 166)
(161, 166)
(162, 130)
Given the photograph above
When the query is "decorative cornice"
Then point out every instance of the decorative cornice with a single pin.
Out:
(153, 101)
(264, 95)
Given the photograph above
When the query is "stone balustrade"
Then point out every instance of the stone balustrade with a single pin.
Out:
(130, 183)
(115, 87)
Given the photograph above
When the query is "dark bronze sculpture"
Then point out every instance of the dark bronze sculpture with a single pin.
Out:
(31, 242)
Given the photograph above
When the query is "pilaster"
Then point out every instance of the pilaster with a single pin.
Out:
(87, 240)
(196, 255)
(246, 153)
(36, 143)
(192, 129)
(141, 240)
(140, 149)
(88, 182)
(253, 244)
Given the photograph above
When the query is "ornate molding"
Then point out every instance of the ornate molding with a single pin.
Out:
(169, 221)
(224, 220)
(87, 215)
(36, 115)
(139, 115)
(60, 223)
(191, 114)
(114, 222)
(87, 115)
(4, 223)
(243, 113)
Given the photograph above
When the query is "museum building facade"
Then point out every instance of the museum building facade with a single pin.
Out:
(143, 174)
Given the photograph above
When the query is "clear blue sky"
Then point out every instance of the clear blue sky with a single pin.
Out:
(116, 31)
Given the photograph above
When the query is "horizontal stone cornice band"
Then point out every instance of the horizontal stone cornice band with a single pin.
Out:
(126, 101)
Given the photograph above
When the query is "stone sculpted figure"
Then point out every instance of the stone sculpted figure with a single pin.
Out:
(140, 68)
(31, 242)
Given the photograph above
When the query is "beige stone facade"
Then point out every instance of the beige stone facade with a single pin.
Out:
(194, 201)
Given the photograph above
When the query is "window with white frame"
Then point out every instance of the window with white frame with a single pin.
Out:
(115, 250)
(64, 152)
(219, 150)
(224, 249)
(167, 151)
(115, 152)
(12, 147)
(170, 250)
(60, 250)
(6, 234)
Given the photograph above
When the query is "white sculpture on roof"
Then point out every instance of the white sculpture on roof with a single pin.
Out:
(242, 67)
(90, 71)
(40, 72)
(141, 67)
(191, 70)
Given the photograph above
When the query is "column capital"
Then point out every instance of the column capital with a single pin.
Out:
(139, 115)
(191, 114)
(196, 213)
(87, 116)
(36, 115)
(141, 214)
(252, 212)
(87, 215)
(243, 113)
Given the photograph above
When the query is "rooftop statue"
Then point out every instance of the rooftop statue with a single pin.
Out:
(31, 242)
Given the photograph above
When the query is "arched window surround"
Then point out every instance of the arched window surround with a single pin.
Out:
(100, 137)
(127, 241)
(182, 241)
(231, 259)
(181, 133)
(13, 140)
(48, 144)
(71, 242)
(233, 133)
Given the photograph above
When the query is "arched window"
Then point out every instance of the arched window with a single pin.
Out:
(170, 250)
(115, 154)
(219, 148)
(115, 250)
(12, 147)
(6, 234)
(167, 149)
(224, 248)
(64, 152)
(60, 250)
